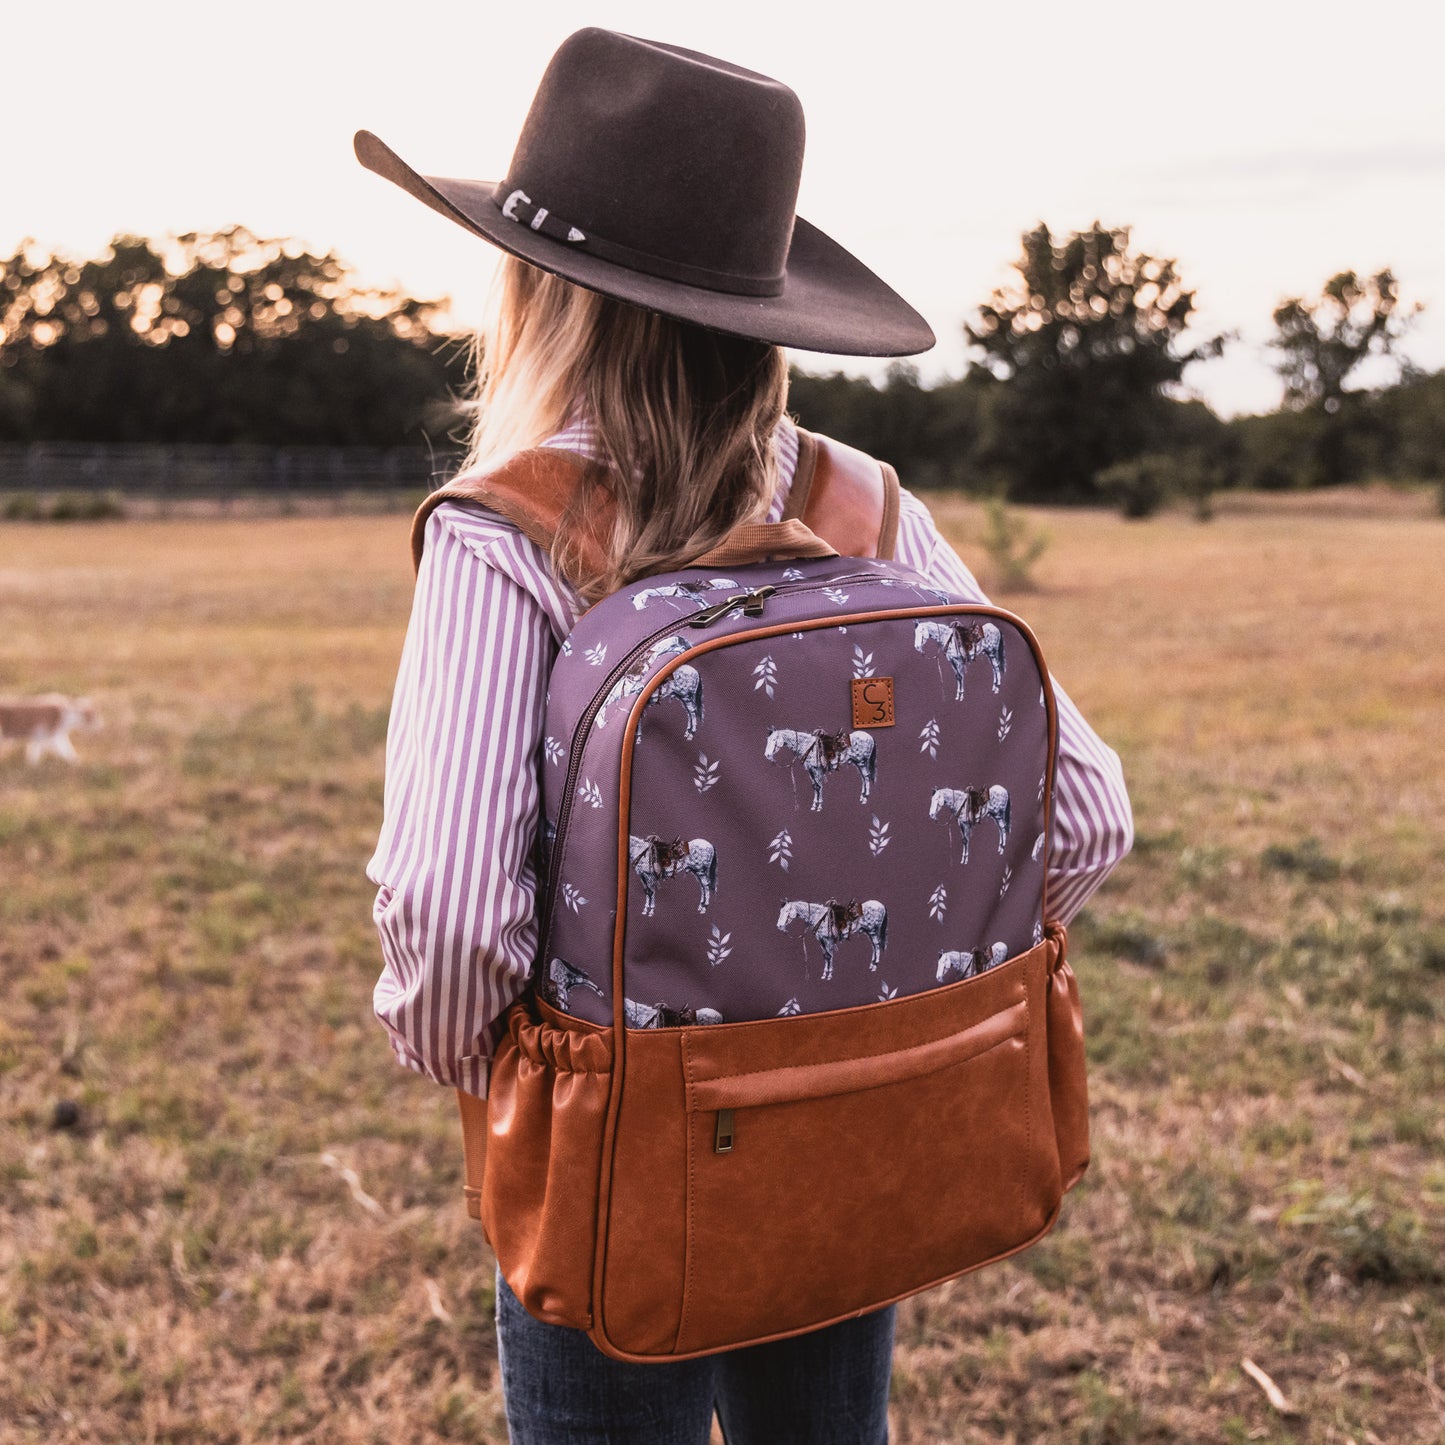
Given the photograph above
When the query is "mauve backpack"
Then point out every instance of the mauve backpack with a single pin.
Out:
(801, 1039)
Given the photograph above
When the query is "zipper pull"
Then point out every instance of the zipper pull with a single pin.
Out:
(750, 602)
(723, 1138)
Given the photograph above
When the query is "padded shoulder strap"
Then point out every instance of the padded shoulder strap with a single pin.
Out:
(843, 495)
(846, 497)
(533, 490)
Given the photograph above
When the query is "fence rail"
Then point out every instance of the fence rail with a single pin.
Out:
(218, 471)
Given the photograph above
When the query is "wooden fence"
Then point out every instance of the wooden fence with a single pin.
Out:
(221, 472)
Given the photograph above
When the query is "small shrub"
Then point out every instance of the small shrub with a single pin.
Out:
(67, 507)
(22, 507)
(1138, 487)
(1012, 546)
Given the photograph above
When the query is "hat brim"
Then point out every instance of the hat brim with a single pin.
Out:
(830, 301)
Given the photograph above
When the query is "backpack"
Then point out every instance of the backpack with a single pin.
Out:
(800, 1039)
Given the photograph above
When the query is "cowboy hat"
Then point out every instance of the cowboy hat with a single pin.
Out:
(668, 179)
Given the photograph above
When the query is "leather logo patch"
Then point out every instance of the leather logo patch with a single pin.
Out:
(872, 702)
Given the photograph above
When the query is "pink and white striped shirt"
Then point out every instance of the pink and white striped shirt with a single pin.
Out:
(454, 862)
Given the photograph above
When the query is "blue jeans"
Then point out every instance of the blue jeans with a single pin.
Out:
(829, 1387)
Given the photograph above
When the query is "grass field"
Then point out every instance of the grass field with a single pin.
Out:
(252, 1228)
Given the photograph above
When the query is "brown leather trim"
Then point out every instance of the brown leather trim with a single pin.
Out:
(844, 496)
(802, 475)
(847, 499)
(763, 541)
(474, 1149)
(888, 530)
(848, 1076)
(534, 490)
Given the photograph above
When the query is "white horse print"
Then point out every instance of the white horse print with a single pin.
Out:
(954, 966)
(653, 859)
(831, 922)
(693, 592)
(970, 806)
(660, 1016)
(561, 979)
(962, 642)
(683, 683)
(823, 752)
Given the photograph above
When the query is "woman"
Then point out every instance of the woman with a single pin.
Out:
(655, 269)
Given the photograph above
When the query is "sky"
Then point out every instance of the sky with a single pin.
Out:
(1264, 146)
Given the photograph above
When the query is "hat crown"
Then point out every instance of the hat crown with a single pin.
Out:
(673, 155)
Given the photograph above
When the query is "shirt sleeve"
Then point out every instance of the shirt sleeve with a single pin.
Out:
(455, 907)
(1093, 825)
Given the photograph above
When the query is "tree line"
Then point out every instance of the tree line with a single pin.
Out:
(1071, 392)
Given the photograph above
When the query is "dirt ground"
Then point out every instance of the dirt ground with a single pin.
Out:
(226, 1216)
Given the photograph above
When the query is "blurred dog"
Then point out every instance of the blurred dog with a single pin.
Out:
(46, 722)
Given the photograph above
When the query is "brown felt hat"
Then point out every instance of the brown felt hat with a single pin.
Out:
(668, 179)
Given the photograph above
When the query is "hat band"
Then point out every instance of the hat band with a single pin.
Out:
(516, 205)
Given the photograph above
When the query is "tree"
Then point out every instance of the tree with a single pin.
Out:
(216, 338)
(1082, 352)
(1322, 341)
(930, 434)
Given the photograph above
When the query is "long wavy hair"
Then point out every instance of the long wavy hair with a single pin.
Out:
(684, 418)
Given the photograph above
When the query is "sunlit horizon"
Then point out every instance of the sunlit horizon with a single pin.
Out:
(1231, 139)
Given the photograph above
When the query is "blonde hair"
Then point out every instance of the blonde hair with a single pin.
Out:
(684, 418)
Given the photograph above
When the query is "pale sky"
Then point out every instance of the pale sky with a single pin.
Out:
(1264, 145)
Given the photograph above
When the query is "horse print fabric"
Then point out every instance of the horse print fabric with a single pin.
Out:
(779, 858)
(821, 752)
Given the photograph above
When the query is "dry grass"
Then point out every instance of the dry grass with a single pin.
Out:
(252, 1231)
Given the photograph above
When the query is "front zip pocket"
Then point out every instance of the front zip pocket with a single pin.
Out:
(817, 1184)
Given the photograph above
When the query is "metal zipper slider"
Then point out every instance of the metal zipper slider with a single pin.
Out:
(750, 602)
(723, 1141)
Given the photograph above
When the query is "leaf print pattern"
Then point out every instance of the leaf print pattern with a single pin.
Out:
(704, 775)
(885, 993)
(1005, 724)
(572, 898)
(590, 793)
(555, 751)
(928, 738)
(1008, 876)
(792, 574)
(766, 673)
(717, 946)
(878, 838)
(938, 903)
(790, 1008)
(597, 654)
(1043, 778)
(836, 595)
(862, 662)
(781, 850)
(566, 647)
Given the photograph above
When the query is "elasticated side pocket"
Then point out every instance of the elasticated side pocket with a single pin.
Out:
(546, 1111)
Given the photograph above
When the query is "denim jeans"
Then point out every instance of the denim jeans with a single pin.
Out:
(829, 1387)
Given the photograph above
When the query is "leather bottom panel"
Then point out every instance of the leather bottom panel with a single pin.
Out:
(828, 1163)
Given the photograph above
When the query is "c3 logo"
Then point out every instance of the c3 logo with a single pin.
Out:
(872, 702)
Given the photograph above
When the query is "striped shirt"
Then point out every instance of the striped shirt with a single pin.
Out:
(457, 885)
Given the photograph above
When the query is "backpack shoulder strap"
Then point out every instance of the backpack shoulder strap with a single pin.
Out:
(533, 490)
(847, 497)
(843, 495)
